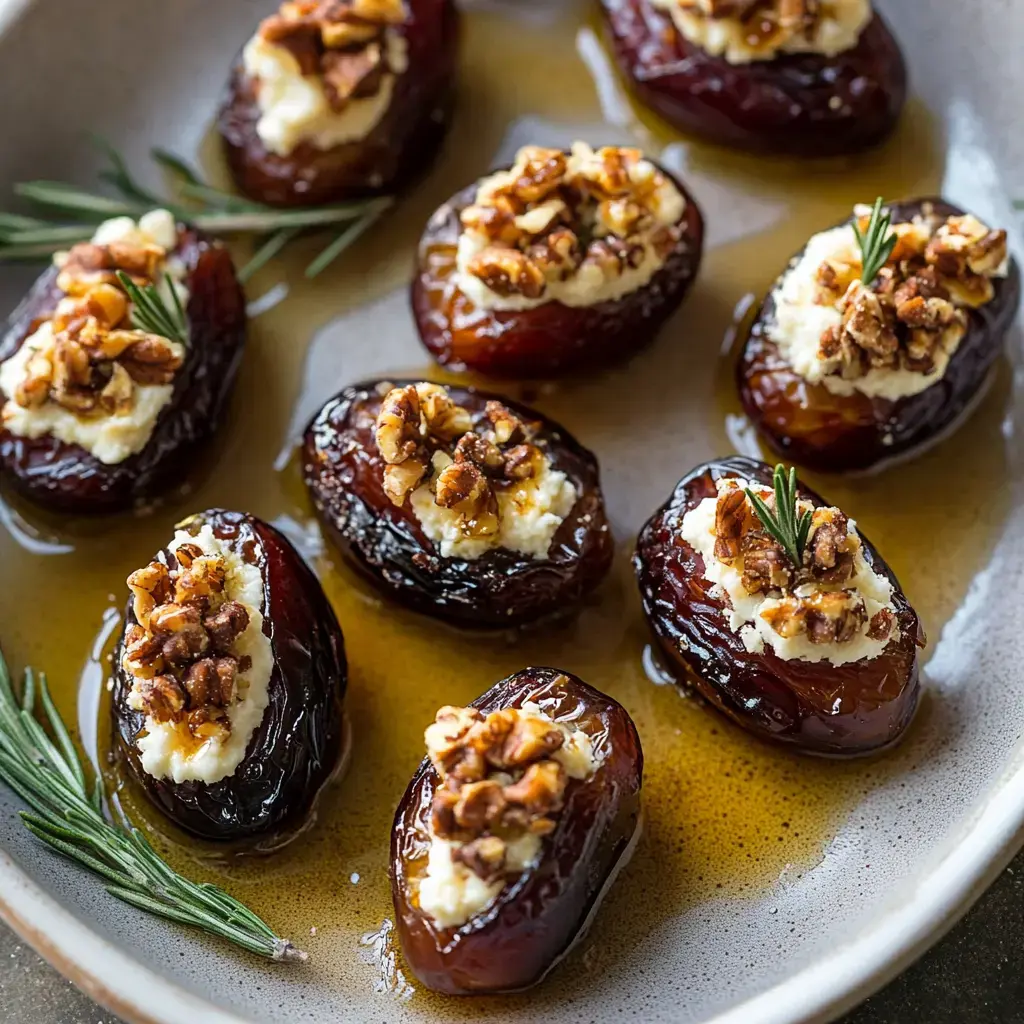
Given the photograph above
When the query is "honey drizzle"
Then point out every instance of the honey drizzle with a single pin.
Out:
(725, 814)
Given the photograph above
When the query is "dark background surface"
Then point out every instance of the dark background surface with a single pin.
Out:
(975, 975)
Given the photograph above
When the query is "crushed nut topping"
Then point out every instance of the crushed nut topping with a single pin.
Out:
(556, 216)
(825, 616)
(421, 431)
(498, 781)
(96, 358)
(912, 317)
(342, 41)
(180, 649)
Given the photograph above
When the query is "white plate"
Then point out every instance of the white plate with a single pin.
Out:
(913, 854)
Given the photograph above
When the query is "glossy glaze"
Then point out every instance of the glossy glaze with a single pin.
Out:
(66, 477)
(395, 152)
(815, 707)
(809, 424)
(518, 938)
(552, 339)
(344, 472)
(300, 742)
(798, 104)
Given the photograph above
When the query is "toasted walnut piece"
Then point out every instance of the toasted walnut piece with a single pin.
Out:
(162, 698)
(143, 655)
(522, 462)
(398, 430)
(730, 524)
(505, 424)
(480, 805)
(186, 554)
(542, 171)
(831, 550)
(210, 682)
(352, 75)
(540, 790)
(444, 735)
(107, 304)
(34, 388)
(487, 737)
(181, 631)
(558, 256)
(881, 625)
(485, 857)
(766, 566)
(149, 586)
(117, 395)
(508, 272)
(829, 617)
(463, 488)
(152, 360)
(197, 585)
(225, 626)
(530, 740)
(209, 723)
(444, 419)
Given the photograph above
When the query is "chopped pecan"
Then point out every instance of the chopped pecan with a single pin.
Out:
(181, 630)
(162, 698)
(827, 617)
(730, 524)
(228, 623)
(831, 558)
(211, 682)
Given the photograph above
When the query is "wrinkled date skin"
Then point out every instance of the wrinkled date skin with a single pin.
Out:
(833, 433)
(344, 473)
(398, 150)
(299, 744)
(785, 105)
(536, 919)
(815, 707)
(66, 477)
(550, 340)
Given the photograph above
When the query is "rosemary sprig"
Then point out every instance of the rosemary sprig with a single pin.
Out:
(876, 243)
(784, 524)
(192, 201)
(67, 815)
(151, 314)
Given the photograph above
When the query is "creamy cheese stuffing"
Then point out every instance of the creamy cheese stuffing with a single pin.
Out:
(167, 749)
(110, 438)
(765, 33)
(449, 892)
(802, 316)
(588, 281)
(745, 612)
(529, 513)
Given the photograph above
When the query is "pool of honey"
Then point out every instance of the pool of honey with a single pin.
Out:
(725, 814)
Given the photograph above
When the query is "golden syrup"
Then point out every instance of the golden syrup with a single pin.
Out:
(724, 814)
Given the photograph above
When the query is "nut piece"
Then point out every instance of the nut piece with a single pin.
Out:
(827, 617)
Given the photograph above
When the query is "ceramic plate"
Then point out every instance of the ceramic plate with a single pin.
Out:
(766, 888)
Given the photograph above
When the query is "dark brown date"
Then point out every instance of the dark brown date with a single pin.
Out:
(812, 426)
(799, 104)
(537, 917)
(398, 150)
(66, 477)
(552, 339)
(344, 473)
(301, 740)
(815, 707)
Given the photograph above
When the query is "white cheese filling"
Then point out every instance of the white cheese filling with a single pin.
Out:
(839, 29)
(110, 438)
(168, 750)
(744, 611)
(529, 512)
(294, 107)
(800, 320)
(588, 285)
(449, 892)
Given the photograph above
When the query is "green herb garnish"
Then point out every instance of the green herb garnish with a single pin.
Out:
(68, 817)
(193, 201)
(784, 524)
(150, 313)
(876, 243)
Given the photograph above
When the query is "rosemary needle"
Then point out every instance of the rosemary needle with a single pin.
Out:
(876, 243)
(45, 771)
(784, 524)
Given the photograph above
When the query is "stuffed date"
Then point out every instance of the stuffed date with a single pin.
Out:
(810, 643)
(104, 404)
(843, 373)
(563, 263)
(512, 830)
(338, 99)
(229, 680)
(459, 503)
(804, 79)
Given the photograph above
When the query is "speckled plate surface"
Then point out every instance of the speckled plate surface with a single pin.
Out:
(910, 854)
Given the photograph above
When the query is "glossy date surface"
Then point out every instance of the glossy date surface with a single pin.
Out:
(797, 104)
(533, 922)
(66, 477)
(396, 151)
(552, 339)
(344, 473)
(299, 744)
(809, 424)
(815, 707)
